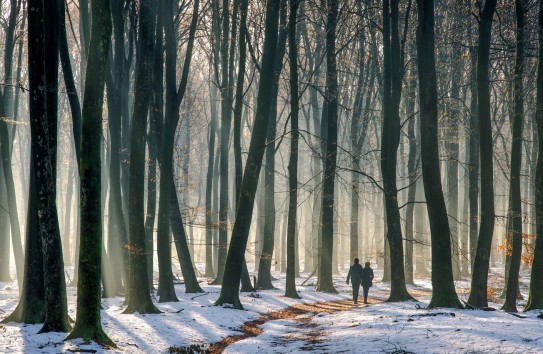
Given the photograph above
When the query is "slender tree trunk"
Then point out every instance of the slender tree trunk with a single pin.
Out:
(240, 233)
(210, 225)
(473, 161)
(329, 151)
(290, 289)
(6, 139)
(389, 147)
(412, 164)
(515, 196)
(225, 138)
(535, 299)
(478, 294)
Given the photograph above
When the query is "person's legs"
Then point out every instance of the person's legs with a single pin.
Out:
(366, 290)
(356, 288)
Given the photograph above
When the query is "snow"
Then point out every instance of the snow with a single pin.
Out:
(376, 328)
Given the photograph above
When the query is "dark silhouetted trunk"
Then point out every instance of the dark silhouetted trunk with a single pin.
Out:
(390, 140)
(444, 293)
(330, 116)
(240, 233)
(139, 299)
(290, 289)
(535, 299)
(479, 280)
(88, 319)
(515, 197)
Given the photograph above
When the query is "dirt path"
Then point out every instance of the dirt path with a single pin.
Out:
(252, 328)
(310, 335)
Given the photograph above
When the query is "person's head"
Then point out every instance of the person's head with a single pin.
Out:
(367, 264)
(356, 260)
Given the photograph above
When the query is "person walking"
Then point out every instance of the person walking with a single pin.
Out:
(355, 274)
(367, 280)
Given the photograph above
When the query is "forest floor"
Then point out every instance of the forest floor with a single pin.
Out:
(317, 323)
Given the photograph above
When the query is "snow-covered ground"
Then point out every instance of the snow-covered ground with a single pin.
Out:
(377, 328)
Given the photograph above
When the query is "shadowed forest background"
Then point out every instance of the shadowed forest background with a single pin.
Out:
(151, 143)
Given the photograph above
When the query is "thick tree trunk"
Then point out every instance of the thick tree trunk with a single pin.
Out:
(88, 319)
(56, 307)
(139, 299)
(264, 280)
(444, 294)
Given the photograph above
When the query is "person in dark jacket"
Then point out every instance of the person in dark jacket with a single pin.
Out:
(367, 278)
(355, 274)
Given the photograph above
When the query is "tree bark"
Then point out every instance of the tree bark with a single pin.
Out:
(515, 196)
(535, 299)
(139, 299)
(479, 280)
(240, 233)
(329, 152)
(390, 141)
(290, 289)
(444, 294)
(88, 319)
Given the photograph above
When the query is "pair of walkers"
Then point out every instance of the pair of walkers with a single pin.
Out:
(360, 276)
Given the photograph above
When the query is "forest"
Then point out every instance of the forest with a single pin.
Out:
(200, 176)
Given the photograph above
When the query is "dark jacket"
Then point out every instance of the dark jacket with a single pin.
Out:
(367, 277)
(355, 273)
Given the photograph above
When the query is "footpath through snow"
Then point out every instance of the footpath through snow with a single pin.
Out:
(271, 323)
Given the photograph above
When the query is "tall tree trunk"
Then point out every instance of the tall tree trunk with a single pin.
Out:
(515, 196)
(412, 165)
(155, 123)
(290, 288)
(240, 233)
(56, 307)
(473, 160)
(210, 225)
(453, 122)
(88, 319)
(535, 299)
(444, 294)
(6, 140)
(389, 146)
(479, 280)
(139, 299)
(225, 138)
(264, 280)
(329, 151)
(168, 209)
